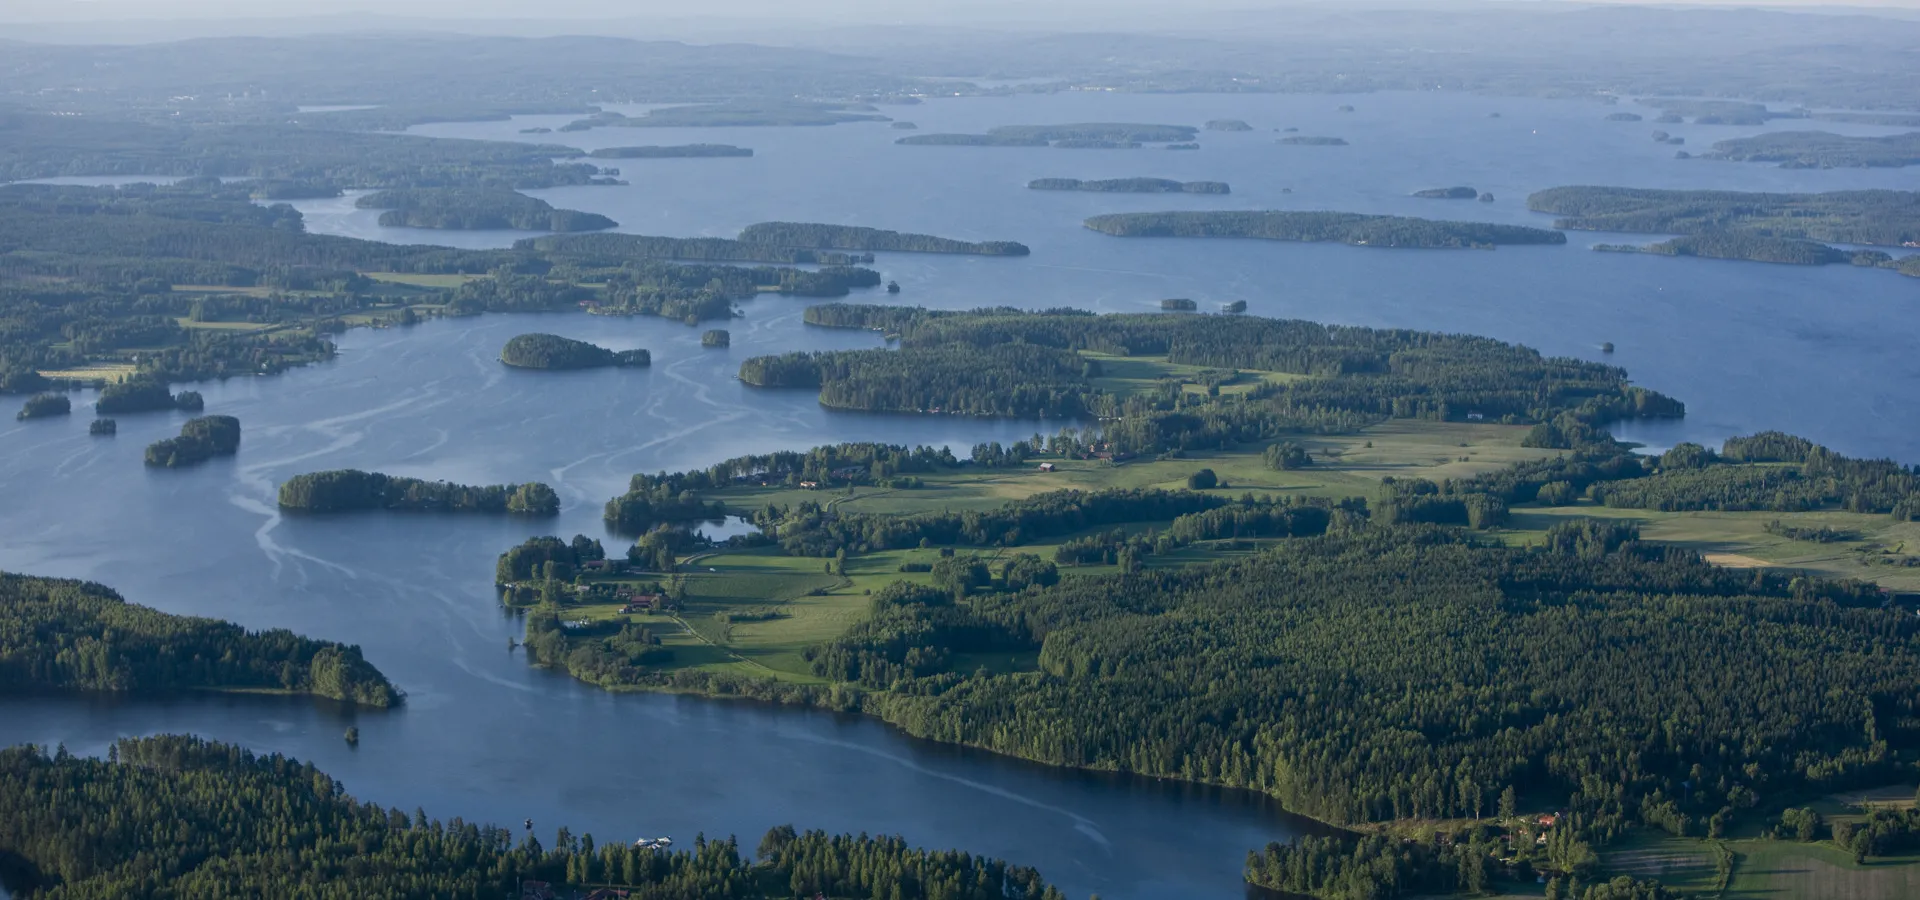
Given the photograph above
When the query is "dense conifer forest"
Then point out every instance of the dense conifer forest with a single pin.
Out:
(471, 209)
(63, 635)
(1888, 218)
(183, 817)
(201, 438)
(813, 236)
(1822, 150)
(551, 351)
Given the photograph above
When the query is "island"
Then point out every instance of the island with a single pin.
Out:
(103, 428)
(1095, 144)
(1348, 228)
(551, 351)
(816, 236)
(1718, 112)
(347, 490)
(902, 126)
(1623, 117)
(141, 394)
(44, 406)
(477, 209)
(1754, 247)
(1183, 146)
(1178, 304)
(1486, 196)
(1130, 186)
(1304, 140)
(1822, 150)
(538, 129)
(1227, 125)
(671, 152)
(142, 802)
(1877, 217)
(1345, 108)
(717, 337)
(63, 635)
(201, 439)
(1450, 193)
(735, 114)
(611, 246)
(969, 140)
(1234, 307)
(1084, 135)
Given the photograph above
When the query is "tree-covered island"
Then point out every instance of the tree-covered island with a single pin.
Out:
(1308, 140)
(1227, 125)
(816, 236)
(675, 151)
(45, 406)
(538, 350)
(1879, 217)
(62, 635)
(1448, 193)
(477, 209)
(1130, 186)
(1821, 150)
(1348, 228)
(201, 439)
(347, 490)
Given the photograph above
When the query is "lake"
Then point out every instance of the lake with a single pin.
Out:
(1822, 352)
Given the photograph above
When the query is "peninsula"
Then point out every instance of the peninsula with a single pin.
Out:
(1348, 228)
(477, 209)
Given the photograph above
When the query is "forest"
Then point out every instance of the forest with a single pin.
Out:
(1347, 228)
(675, 151)
(181, 816)
(1752, 247)
(57, 634)
(615, 249)
(1120, 132)
(1450, 193)
(814, 236)
(345, 490)
(1886, 218)
(1822, 150)
(551, 351)
(969, 140)
(45, 406)
(201, 438)
(477, 209)
(1131, 186)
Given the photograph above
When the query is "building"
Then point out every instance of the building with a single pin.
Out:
(1046, 467)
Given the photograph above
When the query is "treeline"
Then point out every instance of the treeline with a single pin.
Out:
(45, 406)
(551, 351)
(1345, 228)
(1769, 471)
(1014, 380)
(477, 209)
(814, 236)
(670, 152)
(181, 816)
(344, 490)
(1889, 218)
(810, 529)
(614, 249)
(57, 634)
(1131, 186)
(201, 438)
(133, 395)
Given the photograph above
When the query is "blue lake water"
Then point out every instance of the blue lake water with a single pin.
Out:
(1823, 352)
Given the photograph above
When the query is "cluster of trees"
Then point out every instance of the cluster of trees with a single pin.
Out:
(1886, 832)
(546, 558)
(1098, 131)
(1823, 150)
(1739, 245)
(970, 140)
(1227, 125)
(717, 337)
(613, 250)
(1012, 380)
(344, 490)
(42, 406)
(1888, 218)
(815, 236)
(201, 438)
(1131, 186)
(551, 351)
(1346, 228)
(1449, 193)
(1768, 471)
(181, 816)
(477, 209)
(133, 395)
(57, 634)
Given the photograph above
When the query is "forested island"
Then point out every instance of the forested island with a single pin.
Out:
(346, 490)
(1085, 136)
(1762, 248)
(717, 337)
(670, 152)
(1623, 117)
(62, 635)
(268, 825)
(550, 351)
(133, 395)
(45, 406)
(477, 209)
(201, 439)
(1095, 144)
(970, 140)
(614, 248)
(1448, 193)
(1821, 150)
(735, 114)
(1348, 228)
(815, 236)
(1881, 217)
(1228, 125)
(1131, 186)
(1307, 140)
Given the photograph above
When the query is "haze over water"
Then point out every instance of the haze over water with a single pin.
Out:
(1824, 352)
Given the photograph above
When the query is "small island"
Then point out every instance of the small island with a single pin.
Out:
(1130, 186)
(200, 439)
(477, 209)
(902, 126)
(1307, 140)
(1178, 304)
(968, 140)
(348, 490)
(615, 247)
(63, 635)
(551, 351)
(45, 406)
(735, 114)
(1624, 117)
(1448, 193)
(717, 337)
(1347, 228)
(1751, 247)
(142, 395)
(676, 151)
(1228, 125)
(1822, 150)
(1878, 217)
(1095, 144)
(103, 428)
(1345, 109)
(1083, 135)
(537, 130)
(1234, 307)
(1486, 196)
(816, 236)
(1183, 146)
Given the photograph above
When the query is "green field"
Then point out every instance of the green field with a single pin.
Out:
(424, 281)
